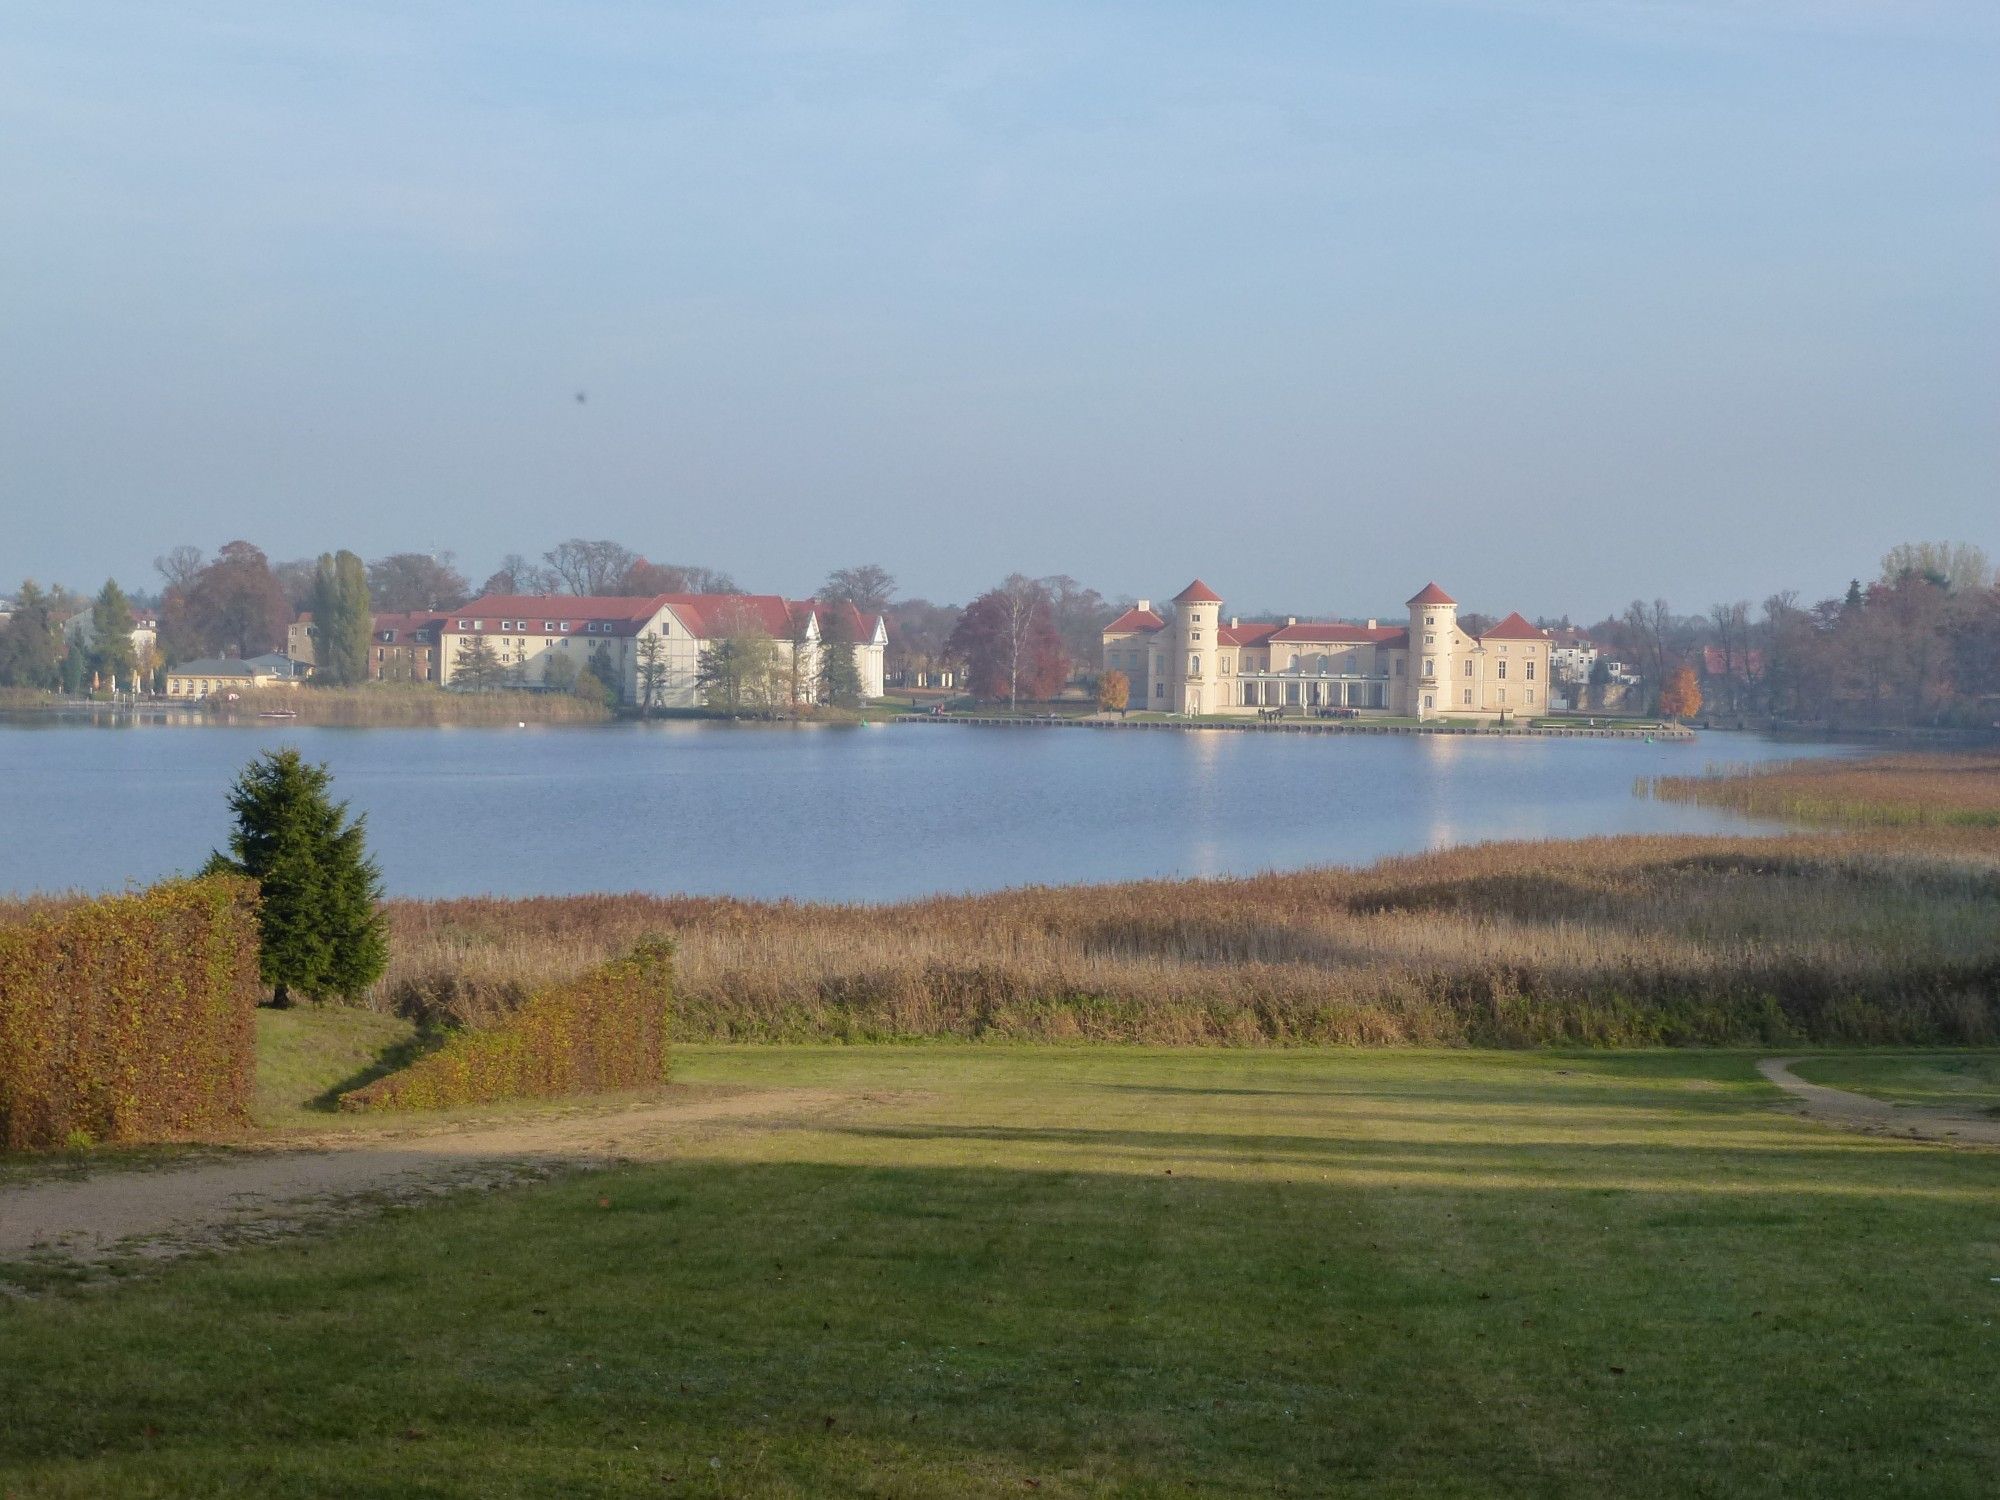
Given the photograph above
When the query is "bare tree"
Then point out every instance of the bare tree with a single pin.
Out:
(869, 587)
(591, 568)
(180, 567)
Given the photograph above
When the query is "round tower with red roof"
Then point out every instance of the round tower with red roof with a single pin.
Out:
(1197, 617)
(1433, 643)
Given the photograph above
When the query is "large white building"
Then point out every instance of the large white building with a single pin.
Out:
(527, 632)
(1195, 663)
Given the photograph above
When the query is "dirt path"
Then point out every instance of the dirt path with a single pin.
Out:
(1878, 1116)
(280, 1189)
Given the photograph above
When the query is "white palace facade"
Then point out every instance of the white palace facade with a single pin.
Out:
(1190, 660)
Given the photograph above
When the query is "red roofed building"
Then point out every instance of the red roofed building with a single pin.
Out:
(1194, 662)
(526, 632)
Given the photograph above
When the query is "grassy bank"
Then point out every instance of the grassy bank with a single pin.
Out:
(1100, 1271)
(393, 704)
(1903, 790)
(1964, 1081)
(1608, 942)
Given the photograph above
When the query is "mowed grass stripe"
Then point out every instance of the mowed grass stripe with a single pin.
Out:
(1105, 1270)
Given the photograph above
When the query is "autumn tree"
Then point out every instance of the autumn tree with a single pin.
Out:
(1681, 697)
(412, 582)
(918, 634)
(1009, 644)
(1958, 567)
(231, 606)
(342, 625)
(113, 658)
(1114, 691)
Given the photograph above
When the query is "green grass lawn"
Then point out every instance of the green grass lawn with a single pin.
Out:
(1079, 1271)
(1965, 1081)
(308, 1057)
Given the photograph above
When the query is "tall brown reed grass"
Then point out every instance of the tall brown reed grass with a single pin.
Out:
(1626, 941)
(390, 704)
(1904, 790)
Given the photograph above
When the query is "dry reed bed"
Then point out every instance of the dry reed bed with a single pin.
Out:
(1925, 790)
(1627, 941)
(391, 704)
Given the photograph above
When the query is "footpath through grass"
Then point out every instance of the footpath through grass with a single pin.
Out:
(1071, 1271)
(1965, 1081)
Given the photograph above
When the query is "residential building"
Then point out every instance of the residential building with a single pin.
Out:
(401, 647)
(1192, 662)
(527, 632)
(206, 677)
(80, 629)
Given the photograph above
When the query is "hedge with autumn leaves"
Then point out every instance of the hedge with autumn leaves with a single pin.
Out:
(130, 1018)
(605, 1029)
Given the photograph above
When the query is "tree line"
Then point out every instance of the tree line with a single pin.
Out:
(1918, 645)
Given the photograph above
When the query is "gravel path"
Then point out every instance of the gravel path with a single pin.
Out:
(269, 1192)
(1877, 1116)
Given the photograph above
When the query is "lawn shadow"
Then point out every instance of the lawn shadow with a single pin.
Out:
(391, 1059)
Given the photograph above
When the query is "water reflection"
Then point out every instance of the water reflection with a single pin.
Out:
(829, 812)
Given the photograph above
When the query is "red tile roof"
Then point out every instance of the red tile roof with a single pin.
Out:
(1197, 593)
(1245, 635)
(1430, 594)
(1514, 628)
(1133, 621)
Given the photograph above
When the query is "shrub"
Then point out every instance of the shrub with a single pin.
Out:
(605, 1029)
(129, 1018)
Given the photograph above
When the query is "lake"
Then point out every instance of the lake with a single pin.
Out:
(824, 812)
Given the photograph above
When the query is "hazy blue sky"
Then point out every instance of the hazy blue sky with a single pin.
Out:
(1557, 301)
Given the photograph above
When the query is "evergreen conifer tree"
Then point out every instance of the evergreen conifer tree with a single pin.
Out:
(322, 932)
(112, 654)
(839, 679)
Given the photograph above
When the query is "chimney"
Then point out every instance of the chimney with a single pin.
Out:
(1145, 604)
(1291, 619)
(1234, 621)
(1371, 624)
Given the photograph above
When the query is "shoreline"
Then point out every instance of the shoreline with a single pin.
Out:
(1312, 726)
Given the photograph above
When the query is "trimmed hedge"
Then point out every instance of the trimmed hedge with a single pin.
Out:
(606, 1029)
(130, 1018)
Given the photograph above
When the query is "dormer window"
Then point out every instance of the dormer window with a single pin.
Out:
(464, 624)
(547, 626)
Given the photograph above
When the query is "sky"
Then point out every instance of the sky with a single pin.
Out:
(1558, 302)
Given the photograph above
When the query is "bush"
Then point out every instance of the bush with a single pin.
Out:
(606, 1029)
(130, 1018)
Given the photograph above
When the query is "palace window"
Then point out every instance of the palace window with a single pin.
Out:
(1430, 667)
(1468, 696)
(1430, 640)
(1225, 664)
(1503, 695)
(1531, 695)
(1468, 666)
(1502, 672)
(1530, 673)
(1194, 664)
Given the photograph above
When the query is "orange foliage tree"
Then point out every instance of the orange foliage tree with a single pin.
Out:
(1114, 691)
(1681, 697)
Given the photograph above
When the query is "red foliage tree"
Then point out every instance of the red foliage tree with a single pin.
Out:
(1008, 640)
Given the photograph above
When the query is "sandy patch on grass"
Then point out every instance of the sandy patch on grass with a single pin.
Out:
(1852, 1111)
(272, 1191)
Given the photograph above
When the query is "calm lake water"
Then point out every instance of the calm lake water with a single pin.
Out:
(856, 813)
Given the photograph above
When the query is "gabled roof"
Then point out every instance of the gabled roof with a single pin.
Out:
(1430, 593)
(1197, 593)
(1514, 628)
(1134, 622)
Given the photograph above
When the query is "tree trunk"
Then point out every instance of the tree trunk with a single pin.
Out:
(281, 998)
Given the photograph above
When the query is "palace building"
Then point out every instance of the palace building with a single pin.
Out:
(1191, 661)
